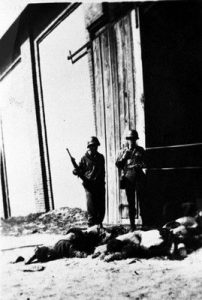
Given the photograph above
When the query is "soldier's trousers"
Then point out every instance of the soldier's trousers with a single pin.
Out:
(95, 205)
(131, 188)
(130, 194)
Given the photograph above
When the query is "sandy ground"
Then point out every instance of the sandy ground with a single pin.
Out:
(94, 279)
(87, 278)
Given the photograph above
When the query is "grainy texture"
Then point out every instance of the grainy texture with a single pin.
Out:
(114, 101)
(95, 279)
(87, 278)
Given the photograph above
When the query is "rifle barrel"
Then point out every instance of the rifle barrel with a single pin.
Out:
(68, 152)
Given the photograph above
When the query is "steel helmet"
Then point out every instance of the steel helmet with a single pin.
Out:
(93, 141)
(132, 135)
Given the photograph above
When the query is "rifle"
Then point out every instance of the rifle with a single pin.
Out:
(72, 160)
(75, 165)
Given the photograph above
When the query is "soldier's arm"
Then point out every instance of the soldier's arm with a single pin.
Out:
(121, 159)
(140, 158)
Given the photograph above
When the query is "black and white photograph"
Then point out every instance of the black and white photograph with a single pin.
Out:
(101, 150)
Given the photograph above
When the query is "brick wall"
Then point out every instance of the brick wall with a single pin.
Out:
(32, 128)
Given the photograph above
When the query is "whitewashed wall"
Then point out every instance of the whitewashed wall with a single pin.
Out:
(17, 142)
(68, 106)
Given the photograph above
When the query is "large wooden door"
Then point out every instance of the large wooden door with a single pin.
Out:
(114, 85)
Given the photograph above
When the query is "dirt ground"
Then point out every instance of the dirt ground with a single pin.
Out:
(87, 278)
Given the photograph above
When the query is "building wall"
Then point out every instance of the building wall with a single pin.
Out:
(32, 128)
(16, 143)
(54, 106)
(1, 199)
(68, 108)
(20, 137)
(1, 177)
(23, 116)
(171, 105)
(4, 194)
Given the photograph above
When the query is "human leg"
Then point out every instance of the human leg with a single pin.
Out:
(130, 193)
(100, 206)
(91, 208)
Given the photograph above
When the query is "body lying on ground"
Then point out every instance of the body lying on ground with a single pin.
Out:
(187, 230)
(139, 243)
(77, 243)
(173, 240)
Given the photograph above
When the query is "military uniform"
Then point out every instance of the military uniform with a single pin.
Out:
(92, 169)
(131, 163)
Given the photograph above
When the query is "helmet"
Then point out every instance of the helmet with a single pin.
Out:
(132, 135)
(93, 141)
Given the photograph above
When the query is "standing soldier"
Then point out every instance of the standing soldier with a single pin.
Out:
(131, 162)
(92, 170)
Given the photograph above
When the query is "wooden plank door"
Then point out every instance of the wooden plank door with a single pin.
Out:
(114, 103)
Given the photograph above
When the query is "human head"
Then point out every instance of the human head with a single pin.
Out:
(131, 137)
(93, 144)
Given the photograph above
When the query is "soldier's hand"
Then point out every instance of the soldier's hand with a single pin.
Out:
(75, 172)
(126, 154)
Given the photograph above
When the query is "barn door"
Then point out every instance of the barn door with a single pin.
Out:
(114, 102)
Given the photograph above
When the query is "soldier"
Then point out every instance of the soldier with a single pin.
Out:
(131, 162)
(92, 170)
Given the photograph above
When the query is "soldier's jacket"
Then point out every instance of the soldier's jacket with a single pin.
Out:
(131, 162)
(93, 168)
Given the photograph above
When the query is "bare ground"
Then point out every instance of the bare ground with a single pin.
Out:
(91, 279)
